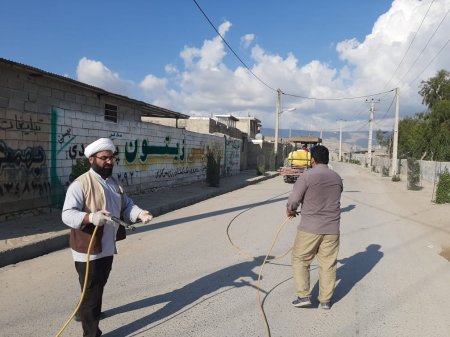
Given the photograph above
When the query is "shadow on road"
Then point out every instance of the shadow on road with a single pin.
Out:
(178, 299)
(178, 221)
(352, 270)
(348, 208)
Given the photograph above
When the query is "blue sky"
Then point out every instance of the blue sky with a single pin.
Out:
(167, 54)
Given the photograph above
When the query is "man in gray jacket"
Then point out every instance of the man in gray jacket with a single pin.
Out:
(318, 190)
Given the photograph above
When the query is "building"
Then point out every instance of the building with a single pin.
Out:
(46, 120)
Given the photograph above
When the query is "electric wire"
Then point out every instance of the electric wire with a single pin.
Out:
(387, 111)
(232, 50)
(263, 82)
(424, 48)
(410, 44)
(431, 61)
(337, 98)
(84, 285)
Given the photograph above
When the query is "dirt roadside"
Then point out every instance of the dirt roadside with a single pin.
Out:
(414, 205)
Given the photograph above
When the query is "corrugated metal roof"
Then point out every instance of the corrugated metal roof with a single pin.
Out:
(148, 110)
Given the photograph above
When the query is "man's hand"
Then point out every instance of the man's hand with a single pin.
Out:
(99, 218)
(145, 217)
(291, 214)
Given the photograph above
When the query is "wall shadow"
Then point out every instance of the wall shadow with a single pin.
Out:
(352, 270)
(179, 299)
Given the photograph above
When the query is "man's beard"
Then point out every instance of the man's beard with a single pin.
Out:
(104, 172)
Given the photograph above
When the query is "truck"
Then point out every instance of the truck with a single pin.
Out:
(298, 160)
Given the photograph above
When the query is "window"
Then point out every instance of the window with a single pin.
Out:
(111, 113)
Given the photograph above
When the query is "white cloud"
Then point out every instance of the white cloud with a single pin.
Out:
(153, 86)
(205, 83)
(96, 74)
(247, 40)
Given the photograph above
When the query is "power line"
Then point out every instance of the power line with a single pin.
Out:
(264, 83)
(337, 98)
(423, 49)
(223, 39)
(409, 47)
(432, 60)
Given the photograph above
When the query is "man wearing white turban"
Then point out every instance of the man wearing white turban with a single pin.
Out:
(90, 201)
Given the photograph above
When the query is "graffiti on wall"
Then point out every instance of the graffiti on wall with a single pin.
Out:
(125, 178)
(134, 150)
(179, 171)
(20, 124)
(232, 156)
(31, 158)
(23, 172)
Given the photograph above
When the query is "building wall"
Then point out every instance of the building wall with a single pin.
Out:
(45, 124)
(261, 153)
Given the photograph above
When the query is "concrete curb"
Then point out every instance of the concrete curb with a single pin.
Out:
(60, 240)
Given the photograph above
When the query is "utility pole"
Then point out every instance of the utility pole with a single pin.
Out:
(340, 140)
(369, 145)
(277, 121)
(395, 140)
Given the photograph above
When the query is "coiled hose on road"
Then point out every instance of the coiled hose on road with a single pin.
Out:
(244, 253)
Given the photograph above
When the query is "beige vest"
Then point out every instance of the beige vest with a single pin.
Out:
(94, 200)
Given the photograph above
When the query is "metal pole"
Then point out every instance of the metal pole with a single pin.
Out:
(340, 140)
(277, 120)
(369, 145)
(395, 144)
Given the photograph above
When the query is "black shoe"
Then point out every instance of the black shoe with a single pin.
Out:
(325, 305)
(301, 302)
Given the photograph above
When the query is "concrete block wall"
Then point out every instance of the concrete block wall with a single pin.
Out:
(46, 123)
(429, 170)
(261, 150)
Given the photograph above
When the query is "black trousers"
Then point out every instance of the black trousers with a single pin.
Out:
(91, 307)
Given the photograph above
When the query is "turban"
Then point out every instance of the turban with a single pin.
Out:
(102, 144)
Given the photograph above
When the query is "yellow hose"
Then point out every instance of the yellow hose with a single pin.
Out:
(260, 273)
(84, 286)
(239, 249)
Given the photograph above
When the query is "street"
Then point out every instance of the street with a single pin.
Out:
(181, 275)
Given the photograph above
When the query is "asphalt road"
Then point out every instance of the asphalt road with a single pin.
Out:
(181, 276)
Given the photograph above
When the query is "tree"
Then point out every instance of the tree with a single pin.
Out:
(412, 138)
(435, 89)
(384, 138)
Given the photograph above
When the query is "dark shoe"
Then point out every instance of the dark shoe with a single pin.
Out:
(301, 302)
(325, 305)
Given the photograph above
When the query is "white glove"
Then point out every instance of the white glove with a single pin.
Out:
(145, 217)
(99, 218)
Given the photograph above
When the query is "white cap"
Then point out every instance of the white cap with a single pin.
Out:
(102, 144)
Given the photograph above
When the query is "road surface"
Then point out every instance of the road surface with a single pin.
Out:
(181, 276)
